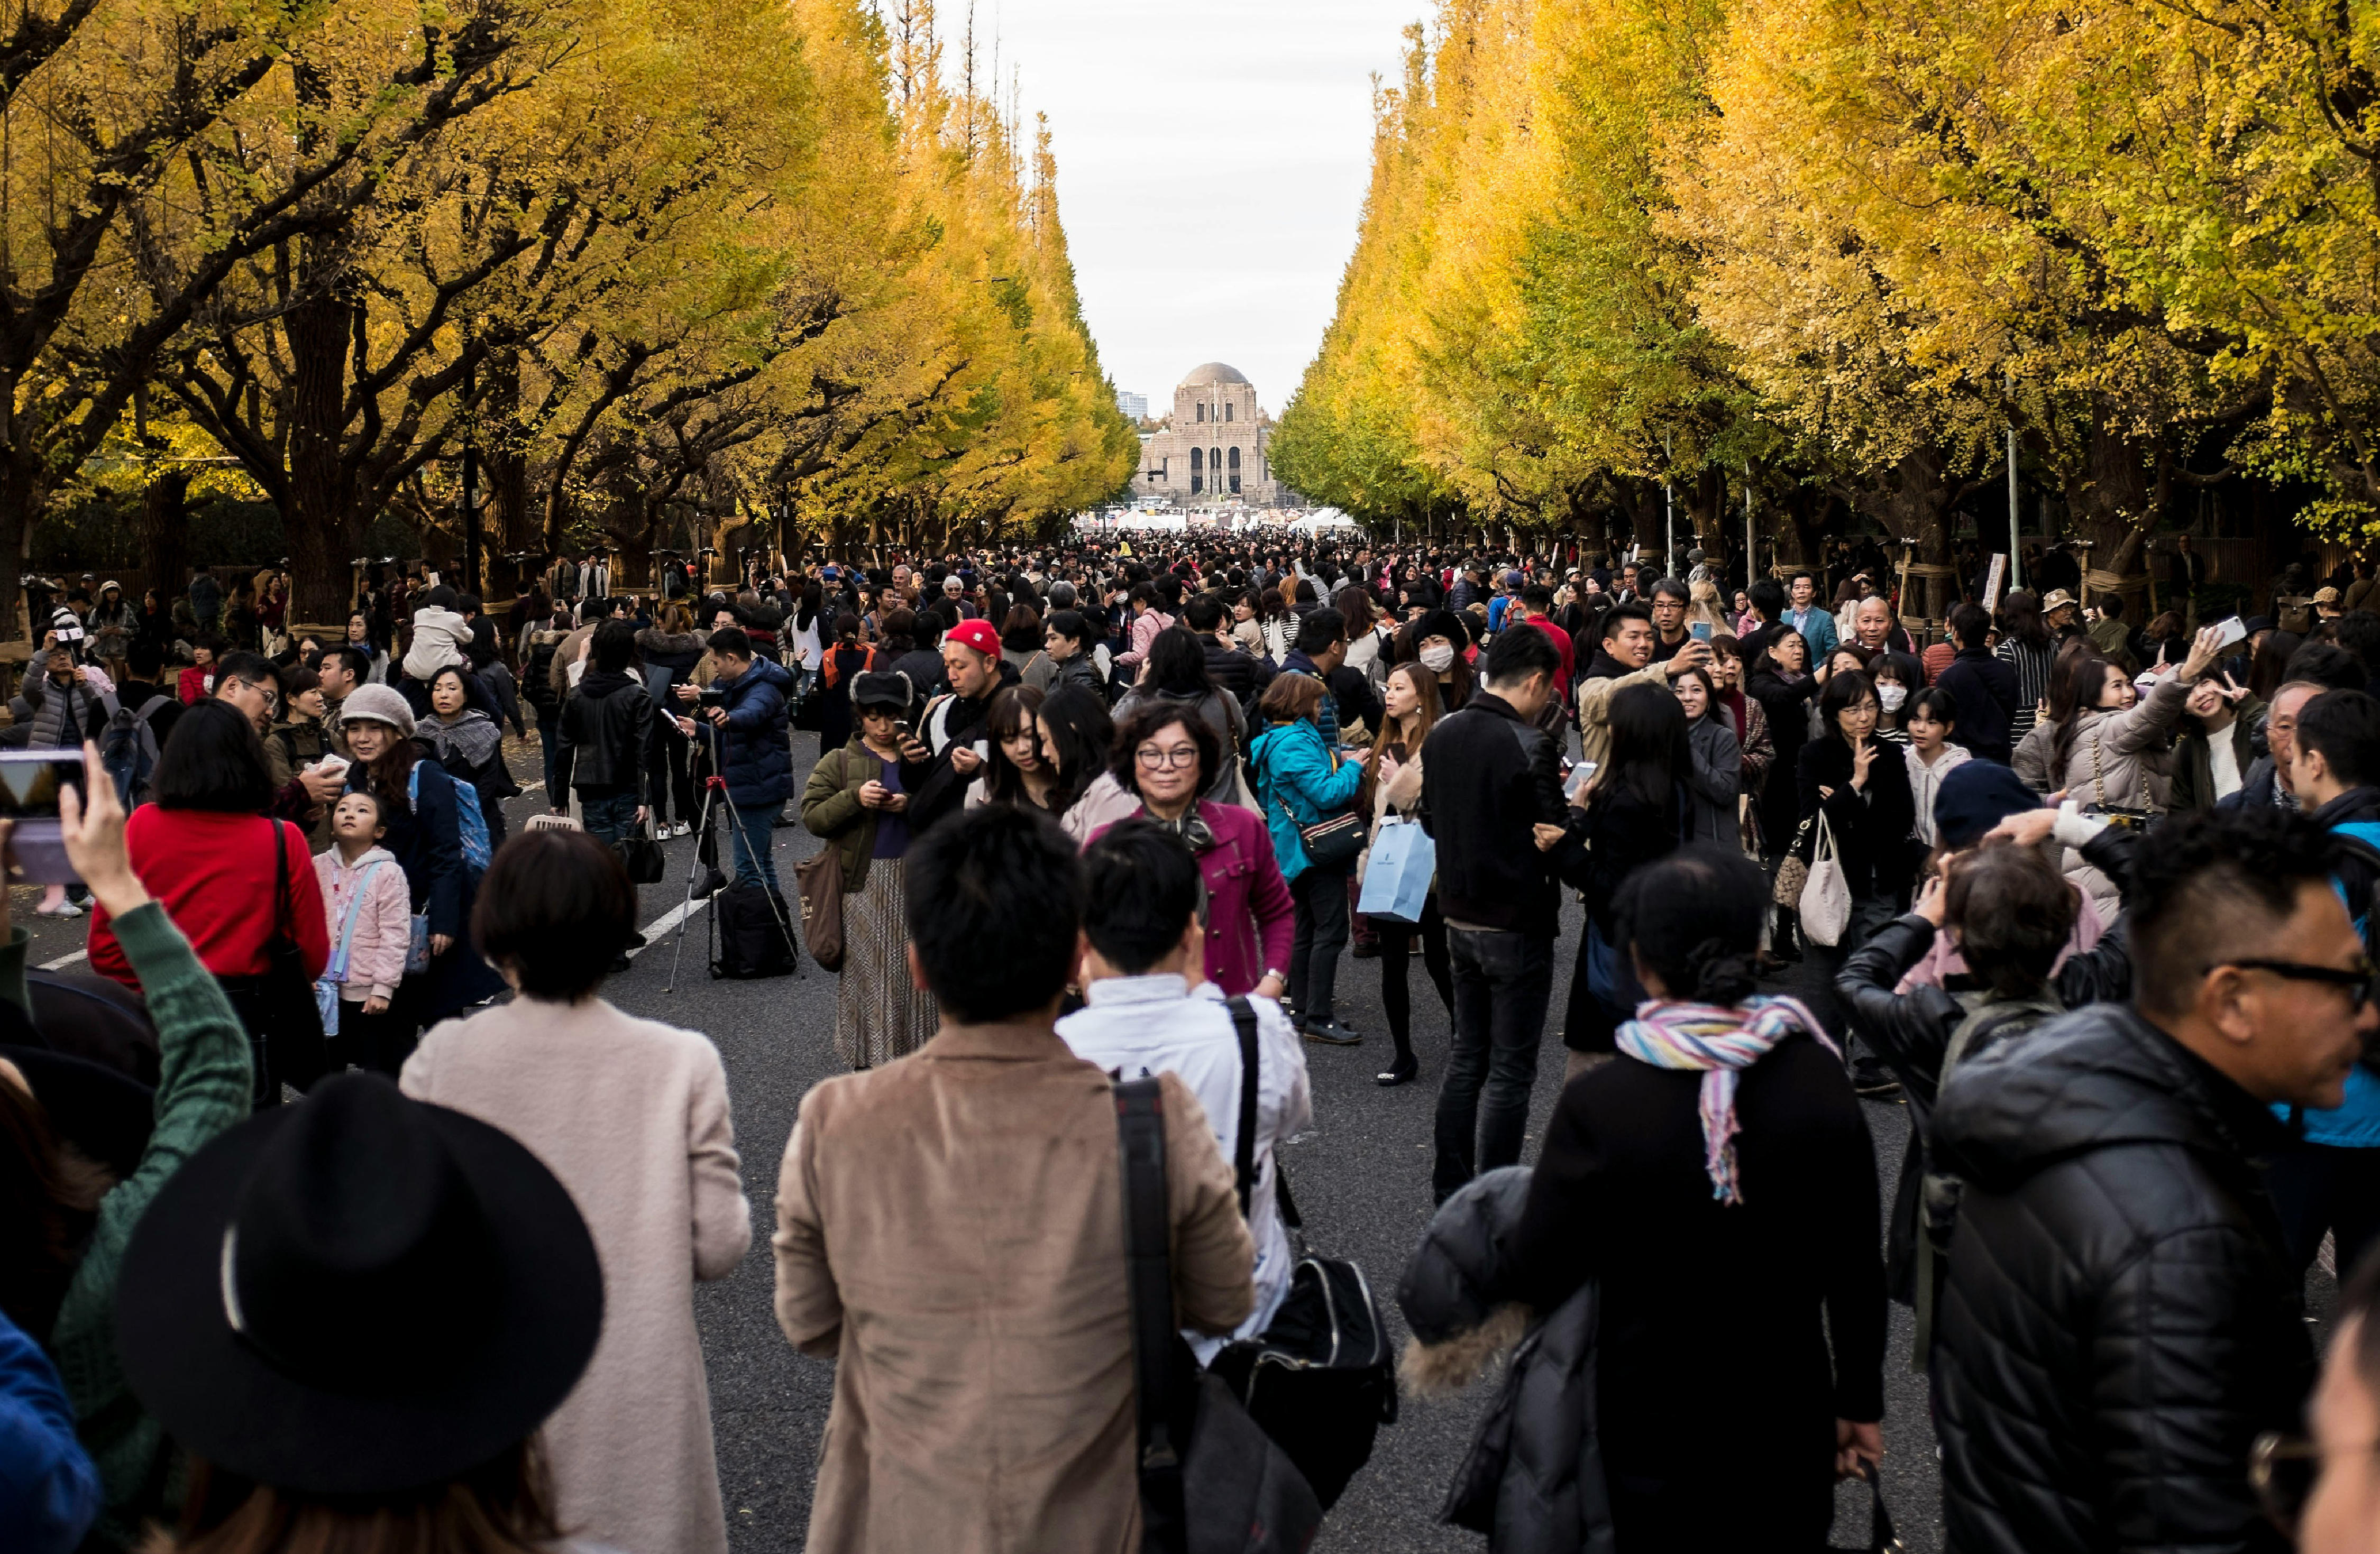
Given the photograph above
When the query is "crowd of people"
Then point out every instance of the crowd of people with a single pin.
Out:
(382, 1231)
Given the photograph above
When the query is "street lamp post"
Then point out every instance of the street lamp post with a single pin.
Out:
(470, 474)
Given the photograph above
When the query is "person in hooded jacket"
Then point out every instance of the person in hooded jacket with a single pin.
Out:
(2119, 1317)
(1720, 1152)
(1301, 783)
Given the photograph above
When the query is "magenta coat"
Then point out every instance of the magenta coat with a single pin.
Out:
(1251, 921)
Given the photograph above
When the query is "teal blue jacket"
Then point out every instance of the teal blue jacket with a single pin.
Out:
(1299, 782)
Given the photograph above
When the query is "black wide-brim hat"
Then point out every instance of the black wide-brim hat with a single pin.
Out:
(357, 1387)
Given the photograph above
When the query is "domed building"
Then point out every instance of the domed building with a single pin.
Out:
(1211, 450)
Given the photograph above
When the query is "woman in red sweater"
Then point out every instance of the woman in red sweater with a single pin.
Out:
(205, 850)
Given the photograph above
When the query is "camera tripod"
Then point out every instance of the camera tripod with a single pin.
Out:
(714, 793)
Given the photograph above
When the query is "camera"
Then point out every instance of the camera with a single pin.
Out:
(711, 695)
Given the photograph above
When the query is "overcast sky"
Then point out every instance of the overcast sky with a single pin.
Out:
(1211, 164)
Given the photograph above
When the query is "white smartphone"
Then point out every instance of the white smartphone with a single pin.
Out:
(2234, 630)
(333, 765)
(1579, 775)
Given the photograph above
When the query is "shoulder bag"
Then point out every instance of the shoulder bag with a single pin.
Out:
(819, 880)
(1210, 1481)
(641, 855)
(293, 1023)
(1321, 1378)
(1827, 899)
(1331, 842)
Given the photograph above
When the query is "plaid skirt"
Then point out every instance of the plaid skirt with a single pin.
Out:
(879, 1015)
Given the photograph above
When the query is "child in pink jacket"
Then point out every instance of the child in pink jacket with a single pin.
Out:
(371, 910)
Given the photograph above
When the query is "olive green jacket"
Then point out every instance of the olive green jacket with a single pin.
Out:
(832, 813)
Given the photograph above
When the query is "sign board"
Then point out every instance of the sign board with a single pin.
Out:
(1992, 582)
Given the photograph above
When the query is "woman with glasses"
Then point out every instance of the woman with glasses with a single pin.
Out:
(1165, 752)
(855, 803)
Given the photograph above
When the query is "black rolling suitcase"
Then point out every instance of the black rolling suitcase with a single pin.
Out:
(754, 933)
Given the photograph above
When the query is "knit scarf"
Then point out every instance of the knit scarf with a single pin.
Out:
(1722, 1042)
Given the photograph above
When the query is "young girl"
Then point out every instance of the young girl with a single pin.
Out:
(1898, 677)
(1928, 719)
(370, 916)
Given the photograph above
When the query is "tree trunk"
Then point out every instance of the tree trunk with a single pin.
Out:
(165, 531)
(323, 534)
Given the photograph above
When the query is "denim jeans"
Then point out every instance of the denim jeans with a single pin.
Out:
(1501, 983)
(753, 835)
(612, 818)
(1321, 897)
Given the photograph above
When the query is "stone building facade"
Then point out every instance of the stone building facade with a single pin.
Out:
(1211, 450)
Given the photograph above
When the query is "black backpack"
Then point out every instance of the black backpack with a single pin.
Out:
(755, 934)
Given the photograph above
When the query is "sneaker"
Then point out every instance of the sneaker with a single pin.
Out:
(1331, 1033)
(63, 909)
(683, 827)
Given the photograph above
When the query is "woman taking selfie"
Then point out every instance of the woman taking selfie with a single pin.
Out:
(855, 804)
(1163, 750)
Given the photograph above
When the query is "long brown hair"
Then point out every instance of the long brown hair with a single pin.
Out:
(48, 1192)
(1426, 714)
(2076, 683)
(504, 1506)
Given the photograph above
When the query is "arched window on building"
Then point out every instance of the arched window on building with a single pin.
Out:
(1197, 463)
(1235, 471)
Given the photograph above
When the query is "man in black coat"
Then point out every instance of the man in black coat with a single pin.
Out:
(2121, 1318)
(1984, 687)
(1492, 791)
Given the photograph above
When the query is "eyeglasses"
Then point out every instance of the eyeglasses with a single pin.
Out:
(2361, 979)
(1154, 759)
(2282, 1470)
(272, 697)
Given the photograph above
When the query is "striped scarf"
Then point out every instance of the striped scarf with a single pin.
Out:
(1722, 1042)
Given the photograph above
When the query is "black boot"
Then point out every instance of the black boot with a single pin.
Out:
(1783, 937)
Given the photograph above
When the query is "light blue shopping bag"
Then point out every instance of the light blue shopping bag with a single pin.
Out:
(1396, 882)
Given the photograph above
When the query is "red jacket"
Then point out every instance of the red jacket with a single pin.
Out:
(191, 686)
(1251, 917)
(1561, 645)
(212, 873)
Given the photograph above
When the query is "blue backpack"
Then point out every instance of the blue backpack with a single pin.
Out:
(472, 824)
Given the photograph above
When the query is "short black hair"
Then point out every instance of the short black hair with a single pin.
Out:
(2326, 664)
(1798, 574)
(1938, 705)
(995, 901)
(1516, 655)
(1204, 612)
(2345, 727)
(1670, 587)
(1152, 715)
(616, 646)
(146, 656)
(358, 662)
(2211, 884)
(1538, 598)
(1635, 610)
(554, 907)
(1971, 623)
(213, 760)
(731, 642)
(1141, 889)
(1069, 625)
(254, 668)
(1694, 919)
(1768, 598)
(1321, 628)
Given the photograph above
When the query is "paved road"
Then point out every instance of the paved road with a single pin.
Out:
(1361, 1176)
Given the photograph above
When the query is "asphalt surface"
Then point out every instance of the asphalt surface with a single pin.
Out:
(1361, 1179)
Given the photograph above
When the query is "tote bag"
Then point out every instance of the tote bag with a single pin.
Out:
(1396, 881)
(1827, 899)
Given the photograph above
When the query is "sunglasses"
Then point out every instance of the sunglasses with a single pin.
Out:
(2361, 979)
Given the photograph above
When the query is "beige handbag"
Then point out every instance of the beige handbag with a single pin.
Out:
(1827, 899)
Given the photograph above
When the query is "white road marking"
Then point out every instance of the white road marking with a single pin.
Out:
(65, 960)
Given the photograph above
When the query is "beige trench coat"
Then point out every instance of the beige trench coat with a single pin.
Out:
(950, 1231)
(632, 1116)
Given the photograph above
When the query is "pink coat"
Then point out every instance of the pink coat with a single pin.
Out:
(1251, 918)
(384, 928)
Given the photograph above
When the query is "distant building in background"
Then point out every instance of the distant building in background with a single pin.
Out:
(1213, 449)
(1134, 405)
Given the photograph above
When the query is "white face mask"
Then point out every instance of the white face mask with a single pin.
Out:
(1889, 696)
(1438, 658)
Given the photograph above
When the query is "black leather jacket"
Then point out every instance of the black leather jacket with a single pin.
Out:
(2121, 1317)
